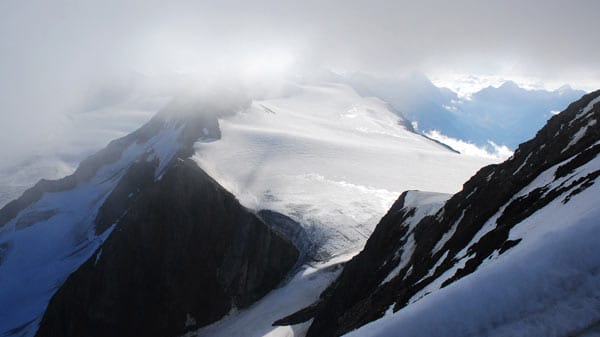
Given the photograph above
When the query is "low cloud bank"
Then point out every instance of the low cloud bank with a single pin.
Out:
(492, 150)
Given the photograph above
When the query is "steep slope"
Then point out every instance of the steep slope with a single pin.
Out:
(416, 97)
(515, 217)
(136, 211)
(330, 159)
(50, 230)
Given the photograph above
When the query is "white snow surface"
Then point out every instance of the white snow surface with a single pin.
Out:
(588, 108)
(424, 203)
(407, 250)
(51, 238)
(547, 285)
(330, 159)
(577, 137)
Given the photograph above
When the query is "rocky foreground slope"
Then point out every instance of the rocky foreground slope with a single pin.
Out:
(548, 186)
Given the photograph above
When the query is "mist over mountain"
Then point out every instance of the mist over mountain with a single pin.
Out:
(193, 168)
(506, 115)
(298, 180)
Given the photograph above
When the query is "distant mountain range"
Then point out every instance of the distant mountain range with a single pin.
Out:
(505, 115)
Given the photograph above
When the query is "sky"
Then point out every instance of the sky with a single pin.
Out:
(66, 57)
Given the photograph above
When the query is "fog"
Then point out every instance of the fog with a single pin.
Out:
(77, 73)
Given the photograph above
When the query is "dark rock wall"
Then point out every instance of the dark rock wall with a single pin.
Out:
(184, 253)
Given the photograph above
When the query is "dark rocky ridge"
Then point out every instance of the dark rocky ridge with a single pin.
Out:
(183, 254)
(358, 295)
(194, 116)
(182, 251)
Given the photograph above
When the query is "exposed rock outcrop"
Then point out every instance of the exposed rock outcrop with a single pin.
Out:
(182, 256)
(175, 250)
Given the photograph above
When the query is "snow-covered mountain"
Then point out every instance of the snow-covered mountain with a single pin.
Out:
(223, 215)
(74, 137)
(136, 226)
(330, 159)
(141, 225)
(505, 115)
(514, 253)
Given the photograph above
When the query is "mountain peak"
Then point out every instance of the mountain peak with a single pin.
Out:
(566, 88)
(509, 85)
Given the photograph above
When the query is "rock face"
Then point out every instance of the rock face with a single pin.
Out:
(401, 259)
(180, 258)
(138, 241)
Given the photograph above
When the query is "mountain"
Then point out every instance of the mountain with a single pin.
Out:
(138, 240)
(332, 160)
(206, 208)
(415, 97)
(182, 256)
(223, 214)
(505, 115)
(513, 253)
(502, 115)
(509, 114)
(73, 137)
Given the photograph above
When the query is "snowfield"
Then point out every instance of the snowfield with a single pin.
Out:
(332, 160)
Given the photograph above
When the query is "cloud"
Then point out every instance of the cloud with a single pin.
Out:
(56, 56)
(494, 151)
